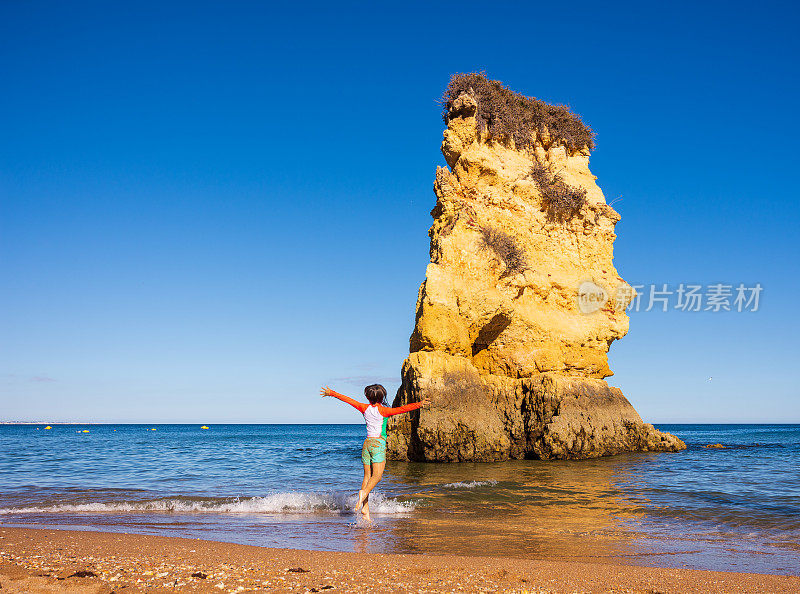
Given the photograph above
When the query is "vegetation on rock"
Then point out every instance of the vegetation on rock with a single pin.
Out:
(506, 113)
(505, 248)
(561, 201)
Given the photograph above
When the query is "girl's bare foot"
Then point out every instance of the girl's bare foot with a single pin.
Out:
(365, 514)
(360, 502)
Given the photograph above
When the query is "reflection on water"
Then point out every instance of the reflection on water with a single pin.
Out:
(293, 486)
(519, 508)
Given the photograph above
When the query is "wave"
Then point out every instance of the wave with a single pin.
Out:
(470, 485)
(276, 503)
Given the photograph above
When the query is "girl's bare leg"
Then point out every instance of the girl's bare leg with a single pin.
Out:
(365, 510)
(361, 494)
(375, 477)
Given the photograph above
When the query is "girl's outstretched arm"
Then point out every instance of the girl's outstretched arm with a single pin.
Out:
(398, 410)
(361, 406)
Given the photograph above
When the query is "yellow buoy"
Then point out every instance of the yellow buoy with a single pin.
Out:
(153, 429)
(48, 427)
(204, 427)
(86, 431)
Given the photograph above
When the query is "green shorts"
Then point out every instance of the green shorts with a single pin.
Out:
(373, 450)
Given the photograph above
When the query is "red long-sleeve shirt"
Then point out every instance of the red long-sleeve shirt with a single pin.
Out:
(385, 411)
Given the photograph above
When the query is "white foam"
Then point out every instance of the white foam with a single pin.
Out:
(276, 503)
(470, 484)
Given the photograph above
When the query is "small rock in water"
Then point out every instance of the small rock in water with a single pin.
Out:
(714, 446)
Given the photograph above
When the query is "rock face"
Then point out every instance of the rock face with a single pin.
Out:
(520, 301)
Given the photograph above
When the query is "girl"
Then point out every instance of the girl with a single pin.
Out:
(373, 452)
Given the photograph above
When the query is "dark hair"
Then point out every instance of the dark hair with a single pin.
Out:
(375, 393)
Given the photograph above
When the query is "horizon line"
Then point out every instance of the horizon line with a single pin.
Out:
(357, 423)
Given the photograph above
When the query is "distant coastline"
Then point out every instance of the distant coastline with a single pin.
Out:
(61, 423)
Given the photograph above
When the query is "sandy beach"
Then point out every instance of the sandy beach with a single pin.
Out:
(51, 560)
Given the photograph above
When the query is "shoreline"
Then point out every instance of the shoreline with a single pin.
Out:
(57, 560)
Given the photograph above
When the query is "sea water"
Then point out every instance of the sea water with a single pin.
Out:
(735, 508)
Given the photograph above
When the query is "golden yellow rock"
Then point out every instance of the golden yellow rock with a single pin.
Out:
(519, 306)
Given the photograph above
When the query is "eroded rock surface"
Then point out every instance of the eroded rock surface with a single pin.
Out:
(512, 360)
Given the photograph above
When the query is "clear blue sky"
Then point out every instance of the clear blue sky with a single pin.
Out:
(209, 209)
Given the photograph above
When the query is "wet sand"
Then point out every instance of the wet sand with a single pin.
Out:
(45, 560)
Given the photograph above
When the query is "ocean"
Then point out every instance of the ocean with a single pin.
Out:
(293, 486)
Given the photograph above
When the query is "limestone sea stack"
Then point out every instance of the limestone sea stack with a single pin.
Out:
(521, 300)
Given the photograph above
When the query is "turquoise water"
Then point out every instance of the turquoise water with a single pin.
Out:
(736, 508)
